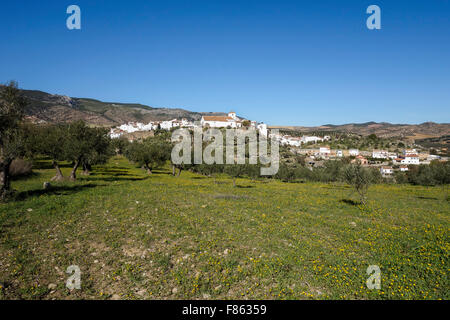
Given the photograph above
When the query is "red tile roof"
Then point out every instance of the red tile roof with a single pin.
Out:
(217, 118)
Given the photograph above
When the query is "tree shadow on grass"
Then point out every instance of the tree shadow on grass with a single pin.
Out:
(112, 179)
(111, 168)
(116, 174)
(350, 202)
(427, 198)
(244, 187)
(41, 164)
(25, 176)
(221, 182)
(162, 171)
(54, 190)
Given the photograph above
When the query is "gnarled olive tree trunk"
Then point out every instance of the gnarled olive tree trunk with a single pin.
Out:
(86, 169)
(5, 181)
(73, 173)
(174, 167)
(148, 169)
(59, 176)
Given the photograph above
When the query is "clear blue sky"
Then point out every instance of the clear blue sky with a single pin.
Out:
(281, 62)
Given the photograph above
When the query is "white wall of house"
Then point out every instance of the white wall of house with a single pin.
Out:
(410, 160)
(380, 154)
(408, 152)
(386, 170)
(306, 139)
(262, 128)
(166, 125)
(219, 124)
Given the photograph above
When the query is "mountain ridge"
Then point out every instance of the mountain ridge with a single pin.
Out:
(54, 108)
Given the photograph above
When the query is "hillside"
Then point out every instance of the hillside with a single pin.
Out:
(382, 129)
(45, 107)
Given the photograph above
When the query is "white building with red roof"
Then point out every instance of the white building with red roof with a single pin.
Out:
(231, 120)
(410, 159)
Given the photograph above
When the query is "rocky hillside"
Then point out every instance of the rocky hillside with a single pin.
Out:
(383, 129)
(45, 107)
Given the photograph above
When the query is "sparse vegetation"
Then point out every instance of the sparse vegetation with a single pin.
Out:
(159, 237)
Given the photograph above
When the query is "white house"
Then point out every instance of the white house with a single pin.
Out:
(131, 127)
(220, 121)
(386, 171)
(408, 152)
(115, 133)
(306, 139)
(186, 123)
(404, 168)
(294, 141)
(167, 125)
(380, 154)
(325, 151)
(411, 159)
(339, 153)
(392, 155)
(353, 152)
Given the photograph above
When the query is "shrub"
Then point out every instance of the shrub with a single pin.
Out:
(360, 178)
(285, 173)
(151, 153)
(430, 175)
(401, 177)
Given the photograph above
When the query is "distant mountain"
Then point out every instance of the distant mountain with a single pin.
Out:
(52, 108)
(381, 129)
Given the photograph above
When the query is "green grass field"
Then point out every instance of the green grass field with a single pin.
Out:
(190, 237)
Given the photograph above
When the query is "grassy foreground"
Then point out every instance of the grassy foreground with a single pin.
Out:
(161, 237)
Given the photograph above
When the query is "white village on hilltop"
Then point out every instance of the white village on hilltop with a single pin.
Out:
(382, 159)
(228, 121)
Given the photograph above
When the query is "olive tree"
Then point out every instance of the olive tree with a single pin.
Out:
(101, 149)
(235, 171)
(12, 108)
(359, 178)
(150, 153)
(85, 146)
(49, 140)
